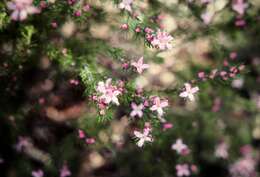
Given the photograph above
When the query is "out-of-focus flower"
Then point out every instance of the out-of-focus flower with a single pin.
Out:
(90, 140)
(158, 105)
(143, 137)
(182, 170)
(221, 150)
(137, 110)
(238, 83)
(179, 146)
(64, 171)
(244, 167)
(162, 40)
(22, 143)
(37, 173)
(108, 92)
(139, 65)
(189, 92)
(167, 126)
(207, 17)
(21, 9)
(126, 4)
(239, 6)
(81, 134)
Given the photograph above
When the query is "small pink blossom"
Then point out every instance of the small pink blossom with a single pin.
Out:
(38, 173)
(182, 170)
(244, 167)
(90, 140)
(109, 92)
(64, 171)
(86, 7)
(124, 26)
(137, 110)
(143, 137)
(158, 105)
(22, 143)
(179, 146)
(162, 40)
(189, 92)
(21, 9)
(239, 6)
(167, 126)
(221, 150)
(139, 65)
(126, 4)
(81, 134)
(207, 17)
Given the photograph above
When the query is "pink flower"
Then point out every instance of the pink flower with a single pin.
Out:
(244, 167)
(143, 137)
(126, 4)
(64, 171)
(207, 17)
(221, 150)
(239, 6)
(81, 134)
(167, 126)
(38, 173)
(108, 92)
(182, 170)
(90, 140)
(179, 146)
(158, 105)
(137, 110)
(162, 40)
(139, 65)
(21, 9)
(22, 143)
(124, 26)
(189, 92)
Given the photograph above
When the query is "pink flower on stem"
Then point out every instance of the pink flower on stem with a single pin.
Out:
(162, 40)
(137, 110)
(64, 171)
(38, 173)
(179, 146)
(189, 92)
(182, 170)
(124, 26)
(126, 4)
(239, 6)
(167, 126)
(139, 65)
(158, 105)
(21, 9)
(108, 92)
(143, 137)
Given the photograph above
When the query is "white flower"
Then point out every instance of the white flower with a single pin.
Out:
(189, 92)
(126, 4)
(143, 137)
(221, 150)
(137, 110)
(179, 146)
(158, 105)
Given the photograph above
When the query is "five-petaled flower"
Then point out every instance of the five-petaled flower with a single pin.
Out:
(139, 65)
(143, 137)
(158, 105)
(21, 9)
(108, 92)
(162, 40)
(126, 4)
(137, 110)
(182, 170)
(189, 91)
(239, 6)
(179, 146)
